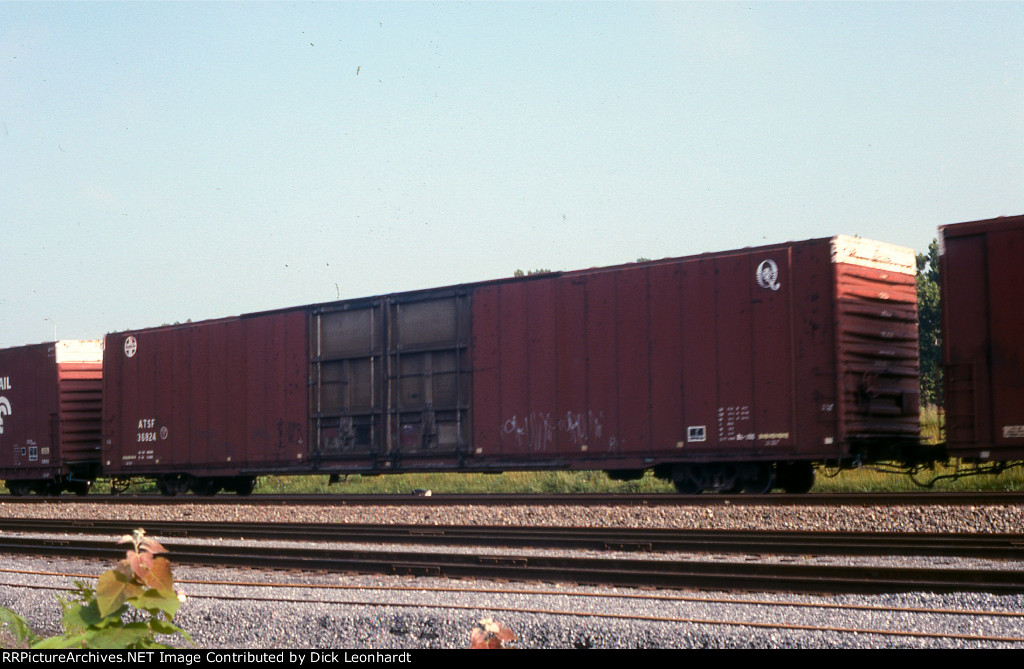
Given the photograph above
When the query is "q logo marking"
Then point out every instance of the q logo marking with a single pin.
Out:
(5, 410)
(768, 275)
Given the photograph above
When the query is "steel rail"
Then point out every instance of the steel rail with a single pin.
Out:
(648, 595)
(761, 542)
(328, 587)
(774, 577)
(655, 619)
(608, 615)
(532, 499)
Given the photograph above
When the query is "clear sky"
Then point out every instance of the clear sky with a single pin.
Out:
(170, 161)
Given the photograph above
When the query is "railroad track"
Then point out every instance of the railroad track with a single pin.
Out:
(781, 576)
(569, 499)
(759, 542)
(661, 607)
(642, 607)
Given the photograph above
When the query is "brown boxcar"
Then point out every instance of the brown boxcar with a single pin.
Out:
(207, 405)
(50, 416)
(983, 337)
(718, 371)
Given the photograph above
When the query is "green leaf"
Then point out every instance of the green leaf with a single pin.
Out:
(81, 618)
(112, 590)
(126, 636)
(75, 641)
(16, 625)
(164, 627)
(158, 600)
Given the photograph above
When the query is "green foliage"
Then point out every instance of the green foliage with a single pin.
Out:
(454, 483)
(518, 273)
(868, 479)
(132, 604)
(929, 315)
(15, 631)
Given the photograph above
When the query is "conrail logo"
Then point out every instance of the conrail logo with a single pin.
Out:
(5, 408)
(768, 275)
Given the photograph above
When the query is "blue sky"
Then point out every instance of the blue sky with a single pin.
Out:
(167, 161)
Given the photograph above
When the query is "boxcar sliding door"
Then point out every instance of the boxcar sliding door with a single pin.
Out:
(390, 379)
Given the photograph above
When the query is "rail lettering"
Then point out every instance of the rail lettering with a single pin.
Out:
(768, 275)
(145, 430)
(5, 410)
(731, 423)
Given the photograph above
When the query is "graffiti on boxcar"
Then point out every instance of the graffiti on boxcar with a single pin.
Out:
(536, 431)
(288, 435)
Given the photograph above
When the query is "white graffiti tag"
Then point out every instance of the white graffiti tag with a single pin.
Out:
(536, 431)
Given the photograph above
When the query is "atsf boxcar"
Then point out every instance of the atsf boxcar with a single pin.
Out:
(719, 371)
(208, 405)
(983, 337)
(50, 416)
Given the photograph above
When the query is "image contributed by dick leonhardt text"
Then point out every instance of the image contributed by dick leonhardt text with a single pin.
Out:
(198, 657)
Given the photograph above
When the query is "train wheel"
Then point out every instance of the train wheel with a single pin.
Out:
(796, 478)
(243, 485)
(169, 485)
(684, 479)
(80, 488)
(686, 487)
(204, 486)
(19, 488)
(47, 488)
(757, 479)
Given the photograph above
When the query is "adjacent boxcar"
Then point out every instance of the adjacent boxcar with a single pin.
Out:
(983, 337)
(50, 416)
(719, 371)
(208, 405)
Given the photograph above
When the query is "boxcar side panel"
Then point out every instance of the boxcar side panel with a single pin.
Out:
(597, 425)
(665, 313)
(691, 359)
(571, 377)
(216, 398)
(518, 437)
(633, 322)
(983, 349)
(28, 412)
(772, 361)
(700, 351)
(1006, 249)
(50, 410)
(818, 433)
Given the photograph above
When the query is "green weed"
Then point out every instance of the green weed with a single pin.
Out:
(131, 605)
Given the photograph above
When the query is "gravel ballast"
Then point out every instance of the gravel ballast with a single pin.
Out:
(986, 519)
(229, 616)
